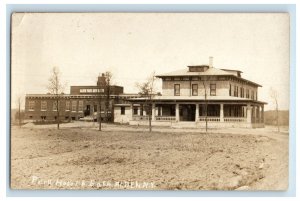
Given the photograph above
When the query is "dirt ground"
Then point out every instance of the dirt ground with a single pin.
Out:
(125, 157)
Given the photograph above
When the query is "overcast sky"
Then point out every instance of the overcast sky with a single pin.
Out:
(132, 46)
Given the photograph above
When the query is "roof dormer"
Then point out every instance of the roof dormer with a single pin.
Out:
(199, 68)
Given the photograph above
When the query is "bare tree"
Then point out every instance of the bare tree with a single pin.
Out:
(147, 90)
(108, 80)
(99, 114)
(204, 82)
(274, 96)
(56, 88)
(106, 85)
(19, 115)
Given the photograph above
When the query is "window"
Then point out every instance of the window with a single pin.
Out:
(122, 110)
(74, 105)
(67, 105)
(236, 91)
(256, 95)
(43, 105)
(54, 106)
(95, 108)
(80, 106)
(247, 93)
(252, 95)
(212, 89)
(242, 92)
(43, 117)
(229, 89)
(195, 89)
(82, 90)
(176, 89)
(31, 105)
(135, 110)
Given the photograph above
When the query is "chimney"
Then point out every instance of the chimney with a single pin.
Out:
(211, 60)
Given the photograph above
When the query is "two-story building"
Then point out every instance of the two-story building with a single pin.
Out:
(196, 95)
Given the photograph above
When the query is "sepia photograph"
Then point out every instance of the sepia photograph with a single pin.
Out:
(150, 101)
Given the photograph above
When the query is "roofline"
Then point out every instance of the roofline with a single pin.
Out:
(161, 76)
(197, 100)
(231, 70)
(94, 86)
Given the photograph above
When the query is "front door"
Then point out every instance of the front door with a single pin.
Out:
(87, 111)
(187, 112)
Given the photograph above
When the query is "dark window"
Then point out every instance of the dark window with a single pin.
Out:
(135, 110)
(122, 110)
(212, 89)
(66, 117)
(95, 108)
(229, 89)
(236, 91)
(247, 93)
(195, 89)
(176, 89)
(73, 118)
(252, 95)
(242, 92)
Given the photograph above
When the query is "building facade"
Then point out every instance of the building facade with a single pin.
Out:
(196, 95)
(83, 103)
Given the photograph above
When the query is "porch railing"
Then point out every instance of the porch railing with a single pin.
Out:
(226, 119)
(140, 118)
(235, 119)
(213, 119)
(165, 118)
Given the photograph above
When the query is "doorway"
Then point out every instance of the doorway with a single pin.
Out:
(187, 112)
(87, 111)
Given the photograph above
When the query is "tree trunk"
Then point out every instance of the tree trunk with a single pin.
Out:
(100, 116)
(149, 117)
(19, 114)
(57, 111)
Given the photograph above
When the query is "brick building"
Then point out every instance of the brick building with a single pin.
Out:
(83, 103)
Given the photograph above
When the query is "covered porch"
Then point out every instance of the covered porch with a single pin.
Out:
(216, 113)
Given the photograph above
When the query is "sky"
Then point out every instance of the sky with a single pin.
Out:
(133, 45)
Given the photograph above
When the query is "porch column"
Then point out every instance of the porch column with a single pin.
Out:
(255, 113)
(259, 113)
(221, 112)
(249, 115)
(138, 110)
(197, 113)
(262, 114)
(153, 112)
(177, 112)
